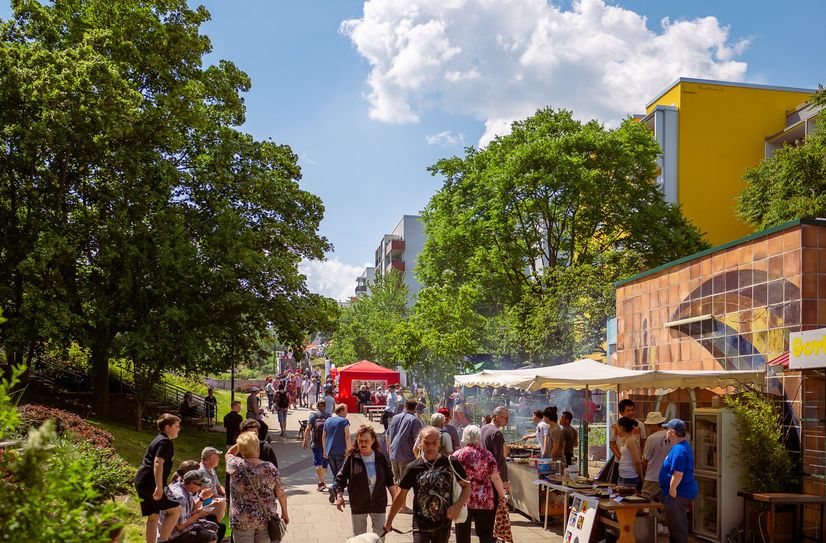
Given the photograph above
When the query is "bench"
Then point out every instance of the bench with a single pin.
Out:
(373, 411)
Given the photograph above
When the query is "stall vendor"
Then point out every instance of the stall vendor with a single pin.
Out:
(540, 433)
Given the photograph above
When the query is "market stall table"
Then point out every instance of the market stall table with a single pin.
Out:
(773, 499)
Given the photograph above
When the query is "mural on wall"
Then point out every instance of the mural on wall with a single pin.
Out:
(738, 326)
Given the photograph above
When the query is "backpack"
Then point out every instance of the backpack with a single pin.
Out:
(318, 428)
(442, 449)
(283, 400)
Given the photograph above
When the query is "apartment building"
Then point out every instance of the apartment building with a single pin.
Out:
(363, 281)
(711, 133)
(399, 251)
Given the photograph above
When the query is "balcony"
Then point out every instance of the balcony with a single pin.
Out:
(394, 246)
(396, 265)
(360, 289)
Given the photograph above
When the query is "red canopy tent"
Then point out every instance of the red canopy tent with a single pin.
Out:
(362, 373)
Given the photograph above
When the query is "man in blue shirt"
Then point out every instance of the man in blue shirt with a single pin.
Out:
(677, 481)
(336, 441)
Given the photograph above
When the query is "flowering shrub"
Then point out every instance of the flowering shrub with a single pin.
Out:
(66, 424)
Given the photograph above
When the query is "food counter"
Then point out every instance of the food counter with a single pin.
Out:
(529, 498)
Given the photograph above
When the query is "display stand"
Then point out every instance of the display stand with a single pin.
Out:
(581, 519)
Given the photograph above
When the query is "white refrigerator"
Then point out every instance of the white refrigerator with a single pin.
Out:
(717, 508)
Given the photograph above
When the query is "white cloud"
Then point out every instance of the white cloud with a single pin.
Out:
(500, 60)
(445, 139)
(331, 278)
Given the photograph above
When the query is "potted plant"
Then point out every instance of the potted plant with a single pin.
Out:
(761, 449)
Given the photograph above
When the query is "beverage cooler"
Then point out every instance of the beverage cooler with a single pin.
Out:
(717, 510)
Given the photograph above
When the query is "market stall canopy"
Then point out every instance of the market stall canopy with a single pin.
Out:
(363, 372)
(598, 376)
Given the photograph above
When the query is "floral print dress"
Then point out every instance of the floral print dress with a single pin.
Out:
(479, 465)
(252, 488)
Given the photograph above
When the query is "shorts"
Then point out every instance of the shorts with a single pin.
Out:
(282, 415)
(151, 507)
(318, 458)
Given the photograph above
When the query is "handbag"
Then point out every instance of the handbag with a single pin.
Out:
(456, 493)
(610, 471)
(276, 529)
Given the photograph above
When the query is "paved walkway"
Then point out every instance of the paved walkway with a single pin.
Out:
(314, 520)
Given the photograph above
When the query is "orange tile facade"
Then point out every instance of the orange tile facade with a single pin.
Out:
(734, 308)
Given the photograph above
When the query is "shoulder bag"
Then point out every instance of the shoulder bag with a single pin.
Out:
(276, 529)
(457, 492)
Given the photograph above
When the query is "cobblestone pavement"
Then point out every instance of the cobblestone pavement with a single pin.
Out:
(314, 520)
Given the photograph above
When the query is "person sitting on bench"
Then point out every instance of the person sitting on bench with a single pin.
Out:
(363, 396)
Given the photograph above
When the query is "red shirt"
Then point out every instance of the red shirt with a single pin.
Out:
(479, 465)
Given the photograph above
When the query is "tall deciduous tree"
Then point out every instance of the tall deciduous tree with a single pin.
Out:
(791, 184)
(366, 326)
(134, 215)
(544, 220)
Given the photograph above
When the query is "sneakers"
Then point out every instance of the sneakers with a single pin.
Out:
(662, 529)
(322, 487)
(332, 496)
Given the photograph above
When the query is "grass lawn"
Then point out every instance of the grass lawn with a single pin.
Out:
(131, 445)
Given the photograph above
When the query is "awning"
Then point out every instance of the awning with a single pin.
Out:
(782, 360)
(598, 376)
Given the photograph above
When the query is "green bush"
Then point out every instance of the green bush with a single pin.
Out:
(596, 435)
(111, 475)
(191, 384)
(767, 466)
(49, 489)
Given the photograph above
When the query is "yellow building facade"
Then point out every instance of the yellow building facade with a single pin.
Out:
(711, 133)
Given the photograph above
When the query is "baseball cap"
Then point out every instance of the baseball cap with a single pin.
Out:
(194, 476)
(209, 451)
(677, 425)
(254, 389)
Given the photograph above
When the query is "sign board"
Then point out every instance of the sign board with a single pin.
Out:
(581, 519)
(807, 350)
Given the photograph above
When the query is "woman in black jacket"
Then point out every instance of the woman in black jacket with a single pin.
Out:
(368, 474)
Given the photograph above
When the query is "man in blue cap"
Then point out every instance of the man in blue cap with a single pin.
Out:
(677, 481)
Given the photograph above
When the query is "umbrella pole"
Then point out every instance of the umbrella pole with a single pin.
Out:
(583, 434)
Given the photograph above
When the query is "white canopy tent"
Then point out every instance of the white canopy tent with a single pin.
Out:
(593, 375)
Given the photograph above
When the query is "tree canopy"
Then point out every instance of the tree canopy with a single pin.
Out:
(543, 221)
(134, 215)
(791, 184)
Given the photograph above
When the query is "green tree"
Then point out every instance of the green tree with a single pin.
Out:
(133, 209)
(366, 326)
(543, 221)
(444, 328)
(791, 184)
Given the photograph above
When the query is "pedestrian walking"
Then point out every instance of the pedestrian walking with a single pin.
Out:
(431, 477)
(494, 441)
(390, 406)
(367, 476)
(336, 442)
(314, 438)
(211, 407)
(282, 404)
(483, 476)
(401, 438)
(257, 492)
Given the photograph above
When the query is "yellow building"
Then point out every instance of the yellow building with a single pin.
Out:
(711, 132)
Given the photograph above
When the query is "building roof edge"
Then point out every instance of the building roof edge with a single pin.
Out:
(726, 84)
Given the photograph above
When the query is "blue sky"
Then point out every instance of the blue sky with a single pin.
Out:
(368, 105)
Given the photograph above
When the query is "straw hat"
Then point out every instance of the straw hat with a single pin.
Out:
(654, 417)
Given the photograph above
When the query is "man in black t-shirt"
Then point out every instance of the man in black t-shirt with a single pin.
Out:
(232, 422)
(431, 477)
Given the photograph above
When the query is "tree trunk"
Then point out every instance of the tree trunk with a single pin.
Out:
(139, 410)
(100, 378)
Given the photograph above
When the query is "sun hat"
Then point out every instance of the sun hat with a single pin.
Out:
(654, 417)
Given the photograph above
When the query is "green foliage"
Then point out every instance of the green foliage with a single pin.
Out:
(53, 491)
(135, 219)
(9, 417)
(366, 328)
(791, 184)
(767, 466)
(542, 222)
(190, 383)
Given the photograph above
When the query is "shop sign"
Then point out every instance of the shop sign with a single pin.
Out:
(807, 350)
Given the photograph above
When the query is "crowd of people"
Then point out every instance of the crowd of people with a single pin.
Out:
(455, 481)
